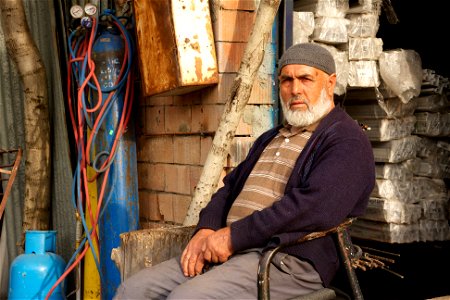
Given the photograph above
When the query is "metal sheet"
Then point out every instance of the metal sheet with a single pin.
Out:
(42, 23)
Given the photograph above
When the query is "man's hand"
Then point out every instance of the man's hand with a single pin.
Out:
(217, 247)
(192, 260)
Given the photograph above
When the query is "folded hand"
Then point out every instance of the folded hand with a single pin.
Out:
(217, 248)
(192, 260)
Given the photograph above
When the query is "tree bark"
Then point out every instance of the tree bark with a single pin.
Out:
(234, 107)
(26, 57)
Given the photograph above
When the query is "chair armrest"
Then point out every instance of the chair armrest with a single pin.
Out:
(344, 246)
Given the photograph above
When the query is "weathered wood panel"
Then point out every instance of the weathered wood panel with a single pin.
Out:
(175, 46)
(147, 247)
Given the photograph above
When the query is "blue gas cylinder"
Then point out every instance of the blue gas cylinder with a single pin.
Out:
(121, 212)
(34, 273)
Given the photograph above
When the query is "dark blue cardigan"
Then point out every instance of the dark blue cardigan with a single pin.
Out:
(332, 179)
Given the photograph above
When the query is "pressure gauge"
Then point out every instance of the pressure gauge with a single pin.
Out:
(90, 9)
(86, 22)
(76, 11)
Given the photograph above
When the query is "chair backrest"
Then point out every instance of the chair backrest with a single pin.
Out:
(348, 252)
(8, 171)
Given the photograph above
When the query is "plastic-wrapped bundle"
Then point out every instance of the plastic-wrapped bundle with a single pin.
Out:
(395, 151)
(365, 6)
(363, 25)
(387, 108)
(357, 94)
(330, 30)
(398, 171)
(432, 103)
(392, 211)
(435, 209)
(341, 60)
(431, 124)
(368, 48)
(428, 188)
(398, 190)
(363, 73)
(428, 167)
(427, 147)
(323, 8)
(433, 83)
(302, 26)
(443, 154)
(402, 71)
(445, 117)
(385, 232)
(389, 129)
(435, 151)
(434, 230)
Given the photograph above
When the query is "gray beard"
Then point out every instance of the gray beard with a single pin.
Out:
(310, 116)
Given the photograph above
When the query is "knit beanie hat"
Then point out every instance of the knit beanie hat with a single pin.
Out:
(309, 54)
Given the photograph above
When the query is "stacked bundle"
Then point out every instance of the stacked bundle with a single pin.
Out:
(405, 108)
(410, 199)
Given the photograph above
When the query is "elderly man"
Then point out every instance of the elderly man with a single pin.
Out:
(306, 175)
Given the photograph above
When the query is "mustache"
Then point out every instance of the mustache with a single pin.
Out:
(296, 99)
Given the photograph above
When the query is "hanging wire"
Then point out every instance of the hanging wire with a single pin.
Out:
(88, 111)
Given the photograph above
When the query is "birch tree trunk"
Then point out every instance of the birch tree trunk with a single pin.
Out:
(234, 107)
(25, 54)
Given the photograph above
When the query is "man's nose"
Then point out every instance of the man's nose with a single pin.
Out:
(297, 87)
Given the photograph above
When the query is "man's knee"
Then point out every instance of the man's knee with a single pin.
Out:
(183, 292)
(128, 291)
(196, 291)
(151, 283)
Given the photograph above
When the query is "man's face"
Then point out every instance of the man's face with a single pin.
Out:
(306, 94)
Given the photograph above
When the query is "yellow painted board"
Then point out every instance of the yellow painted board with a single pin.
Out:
(91, 276)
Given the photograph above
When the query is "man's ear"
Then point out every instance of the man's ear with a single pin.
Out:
(331, 83)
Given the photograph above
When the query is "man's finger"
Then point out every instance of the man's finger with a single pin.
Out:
(192, 261)
(214, 259)
(183, 256)
(185, 264)
(199, 265)
(207, 255)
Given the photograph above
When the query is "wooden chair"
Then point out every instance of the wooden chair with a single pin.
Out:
(350, 258)
(8, 166)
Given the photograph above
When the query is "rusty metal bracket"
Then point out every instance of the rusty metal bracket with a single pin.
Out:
(368, 261)
(10, 168)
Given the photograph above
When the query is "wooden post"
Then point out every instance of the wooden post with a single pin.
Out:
(25, 54)
(234, 107)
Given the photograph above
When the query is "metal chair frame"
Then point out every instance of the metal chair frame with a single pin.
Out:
(10, 169)
(348, 252)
